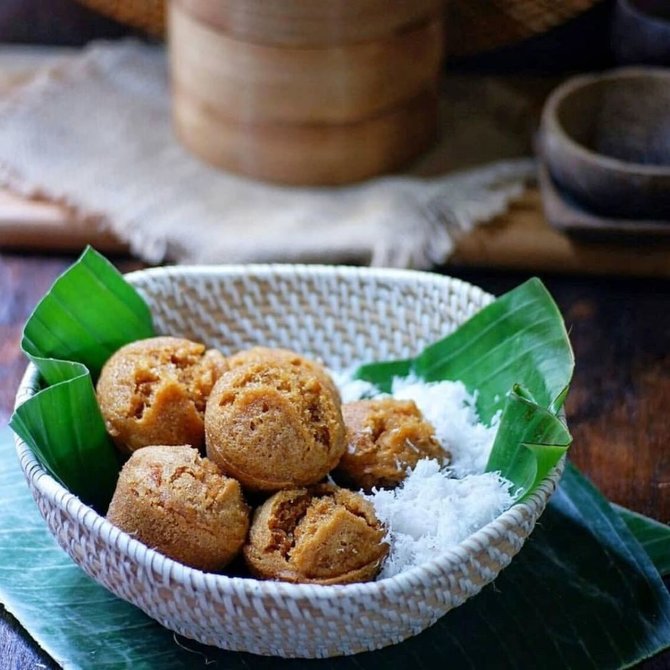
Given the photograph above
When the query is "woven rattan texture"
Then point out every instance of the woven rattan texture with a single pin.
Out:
(474, 26)
(343, 316)
(147, 15)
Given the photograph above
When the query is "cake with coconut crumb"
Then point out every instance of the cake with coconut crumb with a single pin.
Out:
(321, 535)
(385, 438)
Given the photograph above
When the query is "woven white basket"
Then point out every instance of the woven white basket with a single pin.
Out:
(343, 316)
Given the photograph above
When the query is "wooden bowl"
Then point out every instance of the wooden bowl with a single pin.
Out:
(641, 32)
(315, 23)
(254, 83)
(304, 154)
(606, 142)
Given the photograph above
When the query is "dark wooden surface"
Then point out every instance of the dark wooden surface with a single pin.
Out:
(618, 409)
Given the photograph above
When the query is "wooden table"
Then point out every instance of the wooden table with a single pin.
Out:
(618, 409)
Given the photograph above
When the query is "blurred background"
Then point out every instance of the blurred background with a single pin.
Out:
(539, 36)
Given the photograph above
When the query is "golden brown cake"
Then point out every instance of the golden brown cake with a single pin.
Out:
(268, 354)
(385, 437)
(154, 392)
(320, 535)
(273, 425)
(175, 501)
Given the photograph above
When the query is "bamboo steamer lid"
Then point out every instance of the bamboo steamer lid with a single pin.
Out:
(256, 83)
(308, 154)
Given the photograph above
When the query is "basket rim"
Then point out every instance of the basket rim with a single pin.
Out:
(445, 563)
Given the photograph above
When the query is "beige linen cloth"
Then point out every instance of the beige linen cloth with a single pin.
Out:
(94, 132)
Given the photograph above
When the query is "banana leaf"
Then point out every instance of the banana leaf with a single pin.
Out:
(582, 594)
(89, 312)
(516, 357)
(519, 338)
(63, 426)
(529, 442)
(653, 535)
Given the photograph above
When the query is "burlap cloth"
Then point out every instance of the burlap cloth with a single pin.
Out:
(94, 133)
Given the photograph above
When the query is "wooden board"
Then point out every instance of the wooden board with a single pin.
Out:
(33, 225)
(520, 240)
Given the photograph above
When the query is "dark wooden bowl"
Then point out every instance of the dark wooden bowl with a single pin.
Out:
(641, 32)
(606, 141)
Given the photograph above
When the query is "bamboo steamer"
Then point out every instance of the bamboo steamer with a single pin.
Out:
(338, 84)
(294, 111)
(309, 155)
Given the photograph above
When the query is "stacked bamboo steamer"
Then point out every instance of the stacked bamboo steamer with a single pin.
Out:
(306, 91)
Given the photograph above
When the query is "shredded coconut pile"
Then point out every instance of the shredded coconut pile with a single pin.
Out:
(453, 413)
(353, 389)
(436, 508)
(449, 408)
(431, 512)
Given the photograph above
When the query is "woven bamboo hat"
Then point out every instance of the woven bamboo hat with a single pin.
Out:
(474, 26)
(147, 15)
(480, 25)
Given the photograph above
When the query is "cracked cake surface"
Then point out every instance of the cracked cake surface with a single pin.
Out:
(319, 535)
(274, 422)
(175, 501)
(270, 354)
(154, 391)
(385, 438)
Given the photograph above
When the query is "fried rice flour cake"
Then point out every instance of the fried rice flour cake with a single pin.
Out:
(273, 424)
(175, 501)
(154, 391)
(385, 438)
(318, 535)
